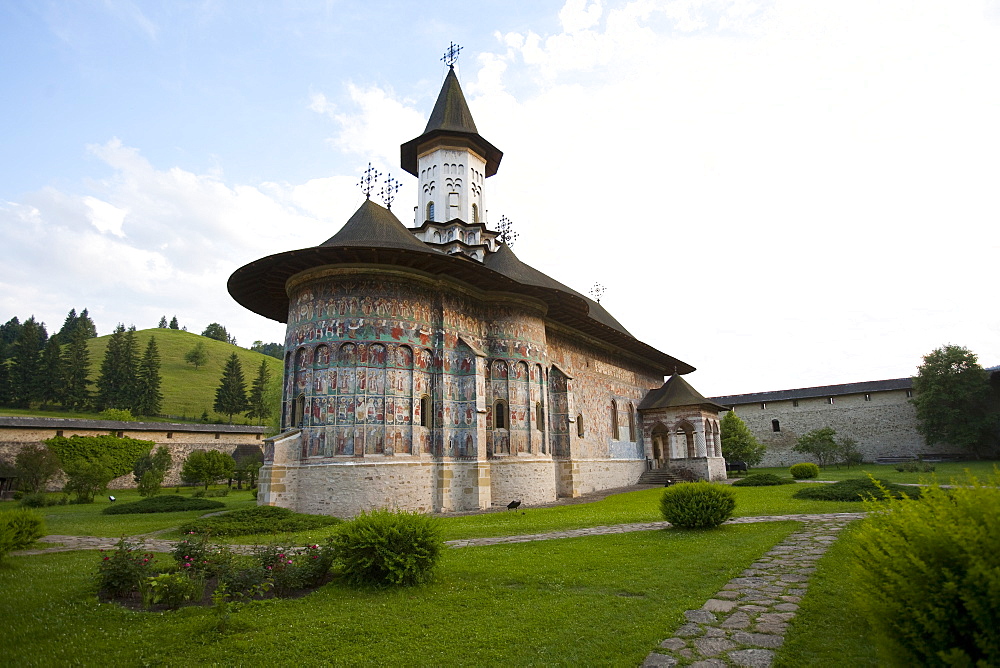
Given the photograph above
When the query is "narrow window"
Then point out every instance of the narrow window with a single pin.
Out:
(258, 437)
(59, 432)
(631, 423)
(475, 214)
(763, 405)
(795, 403)
(614, 420)
(430, 211)
(218, 435)
(909, 393)
(170, 434)
(121, 434)
(539, 416)
(829, 400)
(579, 425)
(775, 426)
(868, 397)
(425, 411)
(499, 415)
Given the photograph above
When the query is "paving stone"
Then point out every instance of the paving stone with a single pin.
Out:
(773, 628)
(700, 616)
(760, 581)
(686, 653)
(775, 617)
(754, 658)
(793, 578)
(714, 632)
(657, 660)
(675, 644)
(757, 639)
(791, 599)
(728, 593)
(708, 663)
(754, 608)
(688, 630)
(737, 620)
(716, 605)
(786, 607)
(713, 646)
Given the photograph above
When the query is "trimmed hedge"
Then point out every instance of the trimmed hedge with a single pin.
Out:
(259, 520)
(165, 503)
(697, 505)
(119, 455)
(804, 470)
(762, 480)
(927, 575)
(855, 489)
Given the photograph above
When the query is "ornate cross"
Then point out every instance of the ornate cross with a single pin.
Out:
(388, 192)
(369, 180)
(597, 292)
(451, 55)
(506, 230)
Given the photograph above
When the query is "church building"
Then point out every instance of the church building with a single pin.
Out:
(428, 368)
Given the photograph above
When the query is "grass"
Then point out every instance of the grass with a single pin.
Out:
(597, 600)
(828, 630)
(945, 472)
(186, 391)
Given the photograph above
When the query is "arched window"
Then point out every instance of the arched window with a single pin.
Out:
(500, 420)
(579, 425)
(775, 425)
(430, 211)
(425, 411)
(614, 420)
(475, 214)
(631, 422)
(539, 416)
(299, 411)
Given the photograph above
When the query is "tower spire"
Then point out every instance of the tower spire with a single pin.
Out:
(450, 56)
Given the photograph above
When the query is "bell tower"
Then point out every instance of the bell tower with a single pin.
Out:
(451, 162)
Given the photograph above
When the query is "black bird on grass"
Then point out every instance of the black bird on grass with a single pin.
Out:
(513, 504)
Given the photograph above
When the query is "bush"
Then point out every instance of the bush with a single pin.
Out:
(19, 529)
(201, 557)
(162, 504)
(171, 589)
(37, 500)
(258, 520)
(205, 493)
(915, 467)
(927, 575)
(34, 467)
(384, 547)
(804, 470)
(855, 489)
(123, 570)
(697, 505)
(86, 479)
(291, 569)
(762, 480)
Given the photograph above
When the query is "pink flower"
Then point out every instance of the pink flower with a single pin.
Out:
(289, 561)
(268, 568)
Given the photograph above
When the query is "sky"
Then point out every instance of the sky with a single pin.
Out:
(781, 193)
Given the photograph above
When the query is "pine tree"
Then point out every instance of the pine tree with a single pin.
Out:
(231, 395)
(117, 383)
(5, 396)
(26, 363)
(51, 377)
(258, 403)
(173, 323)
(9, 331)
(86, 324)
(149, 398)
(163, 322)
(69, 326)
(76, 369)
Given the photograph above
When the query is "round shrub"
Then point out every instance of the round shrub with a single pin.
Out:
(19, 529)
(384, 547)
(762, 480)
(804, 470)
(258, 520)
(927, 575)
(168, 503)
(697, 505)
(855, 489)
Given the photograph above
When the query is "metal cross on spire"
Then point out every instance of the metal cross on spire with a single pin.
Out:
(506, 230)
(388, 192)
(451, 55)
(369, 180)
(597, 292)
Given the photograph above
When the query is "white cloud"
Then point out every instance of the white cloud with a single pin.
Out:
(106, 217)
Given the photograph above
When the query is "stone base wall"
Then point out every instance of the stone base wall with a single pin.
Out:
(706, 468)
(593, 475)
(532, 481)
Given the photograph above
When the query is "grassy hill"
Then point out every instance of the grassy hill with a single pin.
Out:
(187, 391)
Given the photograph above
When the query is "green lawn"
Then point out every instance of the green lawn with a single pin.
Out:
(944, 471)
(598, 600)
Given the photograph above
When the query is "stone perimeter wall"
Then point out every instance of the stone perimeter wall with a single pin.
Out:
(180, 444)
(883, 426)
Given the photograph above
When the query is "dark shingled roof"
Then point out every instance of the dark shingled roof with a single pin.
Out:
(450, 120)
(116, 425)
(674, 393)
(813, 392)
(374, 225)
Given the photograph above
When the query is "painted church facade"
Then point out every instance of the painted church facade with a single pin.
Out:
(428, 368)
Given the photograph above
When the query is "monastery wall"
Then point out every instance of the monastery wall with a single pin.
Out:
(883, 426)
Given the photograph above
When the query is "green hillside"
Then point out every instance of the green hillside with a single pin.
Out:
(187, 391)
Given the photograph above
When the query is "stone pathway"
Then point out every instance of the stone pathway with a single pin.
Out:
(745, 622)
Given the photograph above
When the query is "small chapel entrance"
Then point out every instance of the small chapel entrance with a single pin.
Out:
(661, 446)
